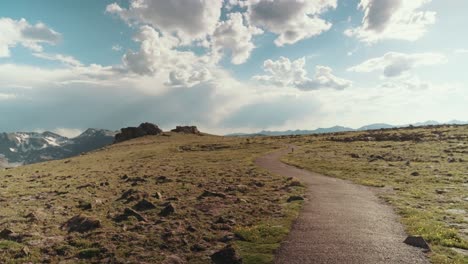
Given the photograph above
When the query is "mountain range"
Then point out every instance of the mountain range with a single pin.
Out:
(336, 129)
(20, 148)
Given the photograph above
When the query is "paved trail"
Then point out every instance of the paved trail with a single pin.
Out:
(340, 223)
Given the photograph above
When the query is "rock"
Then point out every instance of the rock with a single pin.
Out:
(207, 193)
(81, 224)
(417, 241)
(133, 195)
(186, 130)
(163, 179)
(144, 205)
(295, 198)
(227, 255)
(8, 234)
(168, 210)
(157, 195)
(84, 205)
(198, 248)
(144, 129)
(415, 173)
(173, 259)
(32, 217)
(127, 213)
(354, 156)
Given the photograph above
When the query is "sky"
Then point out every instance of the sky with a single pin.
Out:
(230, 65)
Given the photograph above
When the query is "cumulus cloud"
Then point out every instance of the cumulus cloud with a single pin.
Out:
(292, 21)
(394, 64)
(392, 19)
(158, 55)
(189, 20)
(233, 35)
(286, 73)
(15, 32)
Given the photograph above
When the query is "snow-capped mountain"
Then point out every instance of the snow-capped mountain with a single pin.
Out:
(30, 147)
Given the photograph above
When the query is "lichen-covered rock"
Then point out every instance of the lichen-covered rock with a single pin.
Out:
(145, 129)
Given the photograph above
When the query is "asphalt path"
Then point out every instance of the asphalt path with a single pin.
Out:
(340, 223)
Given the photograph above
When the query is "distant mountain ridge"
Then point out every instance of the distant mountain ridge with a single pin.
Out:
(336, 129)
(20, 148)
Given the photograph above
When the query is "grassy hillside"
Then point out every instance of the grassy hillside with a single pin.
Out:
(200, 193)
(423, 172)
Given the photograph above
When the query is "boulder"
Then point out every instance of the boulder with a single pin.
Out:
(144, 129)
(186, 130)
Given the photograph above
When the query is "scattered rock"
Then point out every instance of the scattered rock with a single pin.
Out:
(144, 129)
(417, 241)
(227, 255)
(133, 195)
(81, 224)
(207, 193)
(186, 130)
(295, 198)
(128, 213)
(144, 205)
(168, 210)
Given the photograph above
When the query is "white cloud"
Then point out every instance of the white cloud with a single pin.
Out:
(394, 64)
(189, 20)
(293, 21)
(392, 19)
(67, 60)
(236, 37)
(14, 32)
(116, 47)
(158, 55)
(411, 83)
(286, 73)
(461, 51)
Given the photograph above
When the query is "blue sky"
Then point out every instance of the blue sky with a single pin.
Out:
(232, 65)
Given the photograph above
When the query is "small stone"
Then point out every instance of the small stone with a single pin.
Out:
(417, 241)
(144, 205)
(127, 213)
(168, 210)
(207, 193)
(227, 255)
(415, 173)
(295, 198)
(81, 224)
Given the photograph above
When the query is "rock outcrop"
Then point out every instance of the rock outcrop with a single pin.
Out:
(145, 129)
(186, 130)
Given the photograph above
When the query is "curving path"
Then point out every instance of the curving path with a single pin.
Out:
(340, 223)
